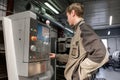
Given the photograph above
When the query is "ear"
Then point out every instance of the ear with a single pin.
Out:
(73, 13)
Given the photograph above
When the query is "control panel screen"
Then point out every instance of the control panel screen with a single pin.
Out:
(42, 33)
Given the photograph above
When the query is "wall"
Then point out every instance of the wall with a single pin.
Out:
(97, 13)
(114, 44)
(113, 39)
(3, 7)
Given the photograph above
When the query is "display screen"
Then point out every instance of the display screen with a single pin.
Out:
(42, 33)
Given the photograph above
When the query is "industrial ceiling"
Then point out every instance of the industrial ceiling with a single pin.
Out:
(97, 12)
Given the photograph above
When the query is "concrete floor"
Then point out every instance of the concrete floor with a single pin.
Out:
(108, 74)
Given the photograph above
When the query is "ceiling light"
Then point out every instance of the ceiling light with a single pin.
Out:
(110, 20)
(52, 3)
(52, 8)
(69, 30)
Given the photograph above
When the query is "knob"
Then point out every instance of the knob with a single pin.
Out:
(33, 38)
(33, 48)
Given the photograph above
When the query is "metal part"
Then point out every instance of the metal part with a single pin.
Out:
(63, 44)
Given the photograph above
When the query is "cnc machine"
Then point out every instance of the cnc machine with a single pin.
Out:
(27, 46)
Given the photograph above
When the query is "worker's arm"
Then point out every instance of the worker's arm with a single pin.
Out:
(59, 57)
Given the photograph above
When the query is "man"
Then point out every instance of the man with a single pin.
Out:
(87, 52)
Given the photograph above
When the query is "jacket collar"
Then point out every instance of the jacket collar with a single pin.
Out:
(77, 24)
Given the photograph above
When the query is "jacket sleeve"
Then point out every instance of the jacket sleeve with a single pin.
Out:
(93, 45)
(62, 57)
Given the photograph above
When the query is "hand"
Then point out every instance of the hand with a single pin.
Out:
(52, 55)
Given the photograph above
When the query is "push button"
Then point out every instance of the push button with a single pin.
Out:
(33, 48)
(33, 38)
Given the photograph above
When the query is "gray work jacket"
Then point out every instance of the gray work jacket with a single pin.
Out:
(87, 53)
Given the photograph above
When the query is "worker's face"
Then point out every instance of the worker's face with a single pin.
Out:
(70, 18)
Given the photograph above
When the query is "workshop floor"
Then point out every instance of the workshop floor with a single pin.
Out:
(108, 74)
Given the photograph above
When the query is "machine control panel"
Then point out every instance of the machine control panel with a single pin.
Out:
(39, 41)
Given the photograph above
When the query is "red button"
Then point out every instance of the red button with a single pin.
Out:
(33, 38)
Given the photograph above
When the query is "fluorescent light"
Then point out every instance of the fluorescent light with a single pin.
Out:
(50, 1)
(47, 4)
(69, 30)
(110, 20)
(109, 32)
